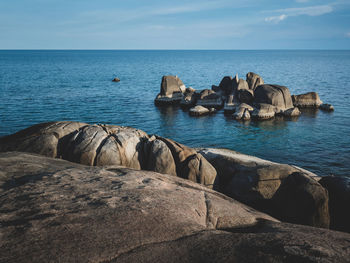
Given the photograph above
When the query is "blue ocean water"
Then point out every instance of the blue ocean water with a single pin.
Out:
(40, 86)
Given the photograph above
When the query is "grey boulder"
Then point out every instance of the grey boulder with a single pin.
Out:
(254, 80)
(171, 91)
(310, 99)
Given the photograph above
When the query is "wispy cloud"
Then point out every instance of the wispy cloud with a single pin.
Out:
(292, 12)
(302, 1)
(347, 34)
(276, 19)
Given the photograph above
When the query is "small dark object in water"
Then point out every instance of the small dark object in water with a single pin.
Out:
(116, 80)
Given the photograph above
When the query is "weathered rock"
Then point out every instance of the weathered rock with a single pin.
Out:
(302, 200)
(245, 95)
(43, 138)
(254, 80)
(255, 182)
(210, 99)
(246, 106)
(189, 98)
(246, 115)
(56, 211)
(339, 199)
(278, 96)
(171, 90)
(310, 99)
(116, 79)
(238, 115)
(241, 84)
(326, 107)
(264, 111)
(190, 164)
(199, 111)
(160, 159)
(82, 143)
(292, 112)
(226, 85)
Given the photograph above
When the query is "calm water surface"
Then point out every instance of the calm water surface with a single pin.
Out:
(39, 86)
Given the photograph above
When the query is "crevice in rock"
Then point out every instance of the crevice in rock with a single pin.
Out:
(115, 258)
(99, 148)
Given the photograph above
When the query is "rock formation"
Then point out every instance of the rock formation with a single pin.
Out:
(310, 99)
(270, 187)
(253, 181)
(267, 100)
(171, 90)
(57, 211)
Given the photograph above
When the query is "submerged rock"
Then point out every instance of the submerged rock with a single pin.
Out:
(171, 90)
(210, 99)
(292, 112)
(310, 99)
(264, 111)
(199, 111)
(326, 107)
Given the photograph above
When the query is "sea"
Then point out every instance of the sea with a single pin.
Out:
(52, 85)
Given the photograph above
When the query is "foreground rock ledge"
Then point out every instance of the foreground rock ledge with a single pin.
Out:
(57, 211)
(264, 185)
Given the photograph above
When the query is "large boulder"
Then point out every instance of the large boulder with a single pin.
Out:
(275, 95)
(171, 90)
(254, 80)
(43, 138)
(190, 164)
(210, 99)
(160, 159)
(302, 200)
(56, 211)
(255, 182)
(310, 99)
(226, 85)
(339, 199)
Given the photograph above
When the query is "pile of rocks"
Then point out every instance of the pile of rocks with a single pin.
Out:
(242, 98)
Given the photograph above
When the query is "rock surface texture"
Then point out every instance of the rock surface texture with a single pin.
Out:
(284, 191)
(101, 145)
(264, 185)
(57, 211)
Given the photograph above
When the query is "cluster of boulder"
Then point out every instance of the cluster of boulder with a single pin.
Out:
(286, 192)
(244, 99)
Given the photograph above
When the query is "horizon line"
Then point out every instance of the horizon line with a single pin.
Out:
(161, 49)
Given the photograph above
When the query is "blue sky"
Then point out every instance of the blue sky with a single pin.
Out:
(156, 24)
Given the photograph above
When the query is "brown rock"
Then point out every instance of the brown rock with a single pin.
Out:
(254, 80)
(56, 211)
(310, 99)
(302, 200)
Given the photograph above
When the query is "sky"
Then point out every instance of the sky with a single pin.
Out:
(181, 24)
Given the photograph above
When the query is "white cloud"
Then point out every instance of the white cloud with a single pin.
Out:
(276, 19)
(290, 12)
(310, 11)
